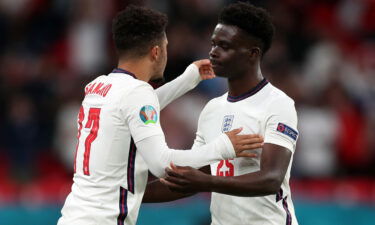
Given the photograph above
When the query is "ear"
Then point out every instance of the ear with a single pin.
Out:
(255, 52)
(155, 53)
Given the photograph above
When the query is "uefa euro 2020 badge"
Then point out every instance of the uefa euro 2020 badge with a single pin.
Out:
(148, 114)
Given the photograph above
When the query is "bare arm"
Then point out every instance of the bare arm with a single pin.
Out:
(274, 164)
(158, 192)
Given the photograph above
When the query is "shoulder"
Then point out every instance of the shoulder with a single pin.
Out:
(96, 80)
(213, 104)
(137, 88)
(281, 106)
(141, 85)
(278, 100)
(136, 92)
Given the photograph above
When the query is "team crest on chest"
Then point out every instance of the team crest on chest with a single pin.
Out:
(227, 123)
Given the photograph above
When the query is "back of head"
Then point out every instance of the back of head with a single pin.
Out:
(136, 29)
(253, 20)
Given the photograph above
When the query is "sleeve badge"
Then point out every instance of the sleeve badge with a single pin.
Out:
(148, 114)
(285, 129)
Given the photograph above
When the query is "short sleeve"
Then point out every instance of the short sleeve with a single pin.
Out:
(281, 124)
(142, 112)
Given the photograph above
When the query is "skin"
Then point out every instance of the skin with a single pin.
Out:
(151, 66)
(236, 56)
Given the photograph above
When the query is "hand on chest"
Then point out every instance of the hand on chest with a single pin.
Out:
(224, 122)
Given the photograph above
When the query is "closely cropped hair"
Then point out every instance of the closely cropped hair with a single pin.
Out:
(136, 29)
(253, 20)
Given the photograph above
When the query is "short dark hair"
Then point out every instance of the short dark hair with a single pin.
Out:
(136, 29)
(253, 20)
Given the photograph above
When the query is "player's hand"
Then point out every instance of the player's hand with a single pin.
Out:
(244, 142)
(185, 179)
(205, 69)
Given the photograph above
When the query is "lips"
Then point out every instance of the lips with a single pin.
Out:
(215, 63)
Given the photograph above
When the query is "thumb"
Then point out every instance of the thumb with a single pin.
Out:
(205, 62)
(202, 62)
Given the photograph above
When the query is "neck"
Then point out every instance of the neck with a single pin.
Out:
(138, 67)
(242, 84)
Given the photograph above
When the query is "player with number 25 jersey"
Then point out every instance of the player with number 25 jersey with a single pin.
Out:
(265, 110)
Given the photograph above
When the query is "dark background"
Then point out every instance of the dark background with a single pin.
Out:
(323, 56)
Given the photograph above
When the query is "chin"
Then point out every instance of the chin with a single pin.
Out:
(157, 77)
(220, 73)
(159, 80)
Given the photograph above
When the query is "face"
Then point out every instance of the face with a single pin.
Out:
(230, 51)
(161, 60)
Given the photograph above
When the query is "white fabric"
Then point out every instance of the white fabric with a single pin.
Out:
(158, 156)
(258, 114)
(182, 84)
(113, 164)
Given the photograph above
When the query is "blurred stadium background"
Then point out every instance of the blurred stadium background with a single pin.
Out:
(323, 56)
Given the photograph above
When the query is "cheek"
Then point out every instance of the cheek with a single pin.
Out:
(236, 59)
(228, 56)
(166, 58)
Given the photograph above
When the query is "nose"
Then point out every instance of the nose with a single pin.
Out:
(213, 52)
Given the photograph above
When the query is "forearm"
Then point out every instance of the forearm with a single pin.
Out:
(249, 185)
(179, 86)
(158, 156)
(274, 164)
(158, 192)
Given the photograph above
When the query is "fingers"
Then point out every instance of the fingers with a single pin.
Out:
(205, 69)
(170, 185)
(249, 139)
(247, 155)
(172, 173)
(176, 180)
(206, 72)
(253, 146)
(235, 131)
(250, 136)
(245, 142)
(178, 169)
(173, 166)
(241, 148)
(202, 62)
(175, 187)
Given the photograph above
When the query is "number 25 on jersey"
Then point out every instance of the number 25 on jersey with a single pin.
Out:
(225, 169)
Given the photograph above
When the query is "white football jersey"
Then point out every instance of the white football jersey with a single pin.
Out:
(264, 110)
(110, 173)
(110, 177)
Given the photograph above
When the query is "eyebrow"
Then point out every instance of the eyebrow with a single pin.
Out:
(221, 40)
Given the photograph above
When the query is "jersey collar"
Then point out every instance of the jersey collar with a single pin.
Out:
(119, 70)
(251, 92)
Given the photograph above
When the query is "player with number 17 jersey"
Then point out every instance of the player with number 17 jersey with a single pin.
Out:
(119, 140)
